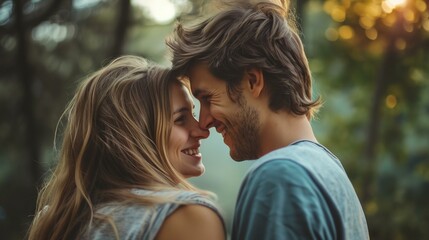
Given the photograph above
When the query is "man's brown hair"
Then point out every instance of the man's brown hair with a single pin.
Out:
(248, 36)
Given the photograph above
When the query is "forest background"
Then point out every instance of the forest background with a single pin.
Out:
(369, 61)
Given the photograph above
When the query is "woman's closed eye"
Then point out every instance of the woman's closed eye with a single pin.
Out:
(180, 119)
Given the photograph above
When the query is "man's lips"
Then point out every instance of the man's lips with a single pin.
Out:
(221, 129)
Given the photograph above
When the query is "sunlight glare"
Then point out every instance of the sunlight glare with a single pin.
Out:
(389, 5)
(395, 3)
(162, 11)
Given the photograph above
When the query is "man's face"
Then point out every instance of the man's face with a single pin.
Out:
(237, 121)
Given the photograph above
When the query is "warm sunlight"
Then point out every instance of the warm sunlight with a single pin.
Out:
(389, 5)
(161, 10)
(395, 3)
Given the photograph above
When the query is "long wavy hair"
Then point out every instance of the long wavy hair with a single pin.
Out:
(115, 139)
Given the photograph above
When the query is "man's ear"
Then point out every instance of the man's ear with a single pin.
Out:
(254, 80)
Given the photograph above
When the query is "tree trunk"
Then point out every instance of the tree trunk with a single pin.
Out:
(382, 82)
(33, 18)
(25, 78)
(121, 28)
(374, 121)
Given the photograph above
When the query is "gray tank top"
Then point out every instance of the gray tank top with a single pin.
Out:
(134, 221)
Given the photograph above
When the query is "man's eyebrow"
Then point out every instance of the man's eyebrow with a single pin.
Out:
(198, 92)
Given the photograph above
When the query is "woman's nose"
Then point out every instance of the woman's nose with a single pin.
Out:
(199, 132)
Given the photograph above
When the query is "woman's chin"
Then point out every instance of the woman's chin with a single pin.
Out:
(198, 171)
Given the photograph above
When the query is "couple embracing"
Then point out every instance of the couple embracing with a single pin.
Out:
(131, 141)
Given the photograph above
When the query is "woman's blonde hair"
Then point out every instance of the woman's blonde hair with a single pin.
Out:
(118, 126)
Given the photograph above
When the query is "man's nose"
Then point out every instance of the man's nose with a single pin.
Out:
(200, 133)
(206, 119)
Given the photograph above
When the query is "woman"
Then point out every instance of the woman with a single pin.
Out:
(129, 144)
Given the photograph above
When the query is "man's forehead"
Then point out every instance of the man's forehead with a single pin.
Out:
(198, 68)
(198, 75)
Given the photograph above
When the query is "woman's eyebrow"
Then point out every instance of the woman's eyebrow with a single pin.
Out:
(182, 109)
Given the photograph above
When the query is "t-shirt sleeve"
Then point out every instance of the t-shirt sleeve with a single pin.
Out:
(280, 200)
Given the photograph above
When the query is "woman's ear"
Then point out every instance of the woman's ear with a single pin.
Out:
(254, 81)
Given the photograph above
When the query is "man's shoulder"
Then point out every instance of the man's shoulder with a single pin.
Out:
(278, 166)
(278, 171)
(300, 157)
(276, 179)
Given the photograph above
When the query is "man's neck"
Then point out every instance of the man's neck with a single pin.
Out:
(281, 129)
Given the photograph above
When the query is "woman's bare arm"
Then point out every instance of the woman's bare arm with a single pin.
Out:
(192, 222)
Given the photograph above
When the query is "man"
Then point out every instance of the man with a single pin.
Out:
(248, 69)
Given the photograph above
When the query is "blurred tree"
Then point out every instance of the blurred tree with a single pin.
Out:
(45, 46)
(299, 12)
(16, 32)
(379, 76)
(25, 77)
(122, 24)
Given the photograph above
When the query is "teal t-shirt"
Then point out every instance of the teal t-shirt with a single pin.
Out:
(298, 192)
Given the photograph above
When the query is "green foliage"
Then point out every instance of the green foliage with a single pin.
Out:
(347, 71)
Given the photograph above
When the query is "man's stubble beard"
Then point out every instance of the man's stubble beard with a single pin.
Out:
(245, 138)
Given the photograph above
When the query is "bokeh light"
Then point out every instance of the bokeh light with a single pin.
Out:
(331, 34)
(421, 5)
(400, 44)
(371, 33)
(426, 25)
(391, 101)
(161, 11)
(346, 32)
(389, 20)
(338, 14)
(366, 22)
(389, 5)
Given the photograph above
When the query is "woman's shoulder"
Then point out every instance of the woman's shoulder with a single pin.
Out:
(145, 220)
(192, 222)
(190, 215)
(179, 197)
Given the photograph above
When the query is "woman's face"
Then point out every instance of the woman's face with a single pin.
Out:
(184, 143)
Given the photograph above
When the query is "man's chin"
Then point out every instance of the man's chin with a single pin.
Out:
(236, 157)
(241, 157)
